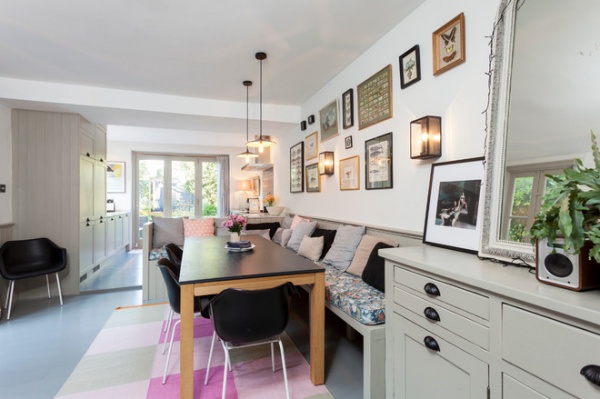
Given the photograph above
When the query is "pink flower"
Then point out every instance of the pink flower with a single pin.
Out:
(235, 223)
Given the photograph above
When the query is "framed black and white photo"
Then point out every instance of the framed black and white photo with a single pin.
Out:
(453, 217)
(378, 162)
(410, 67)
(348, 109)
(297, 168)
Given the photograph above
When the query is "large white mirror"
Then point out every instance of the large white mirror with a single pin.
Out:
(545, 97)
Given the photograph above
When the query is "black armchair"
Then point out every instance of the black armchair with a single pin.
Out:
(250, 317)
(174, 253)
(22, 259)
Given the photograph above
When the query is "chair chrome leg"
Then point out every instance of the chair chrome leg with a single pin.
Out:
(272, 358)
(227, 363)
(48, 286)
(9, 298)
(59, 290)
(167, 329)
(169, 352)
(212, 345)
(287, 389)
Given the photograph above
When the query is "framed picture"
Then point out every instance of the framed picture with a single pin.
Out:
(375, 98)
(453, 218)
(348, 109)
(115, 177)
(313, 178)
(350, 173)
(311, 119)
(303, 125)
(254, 205)
(378, 162)
(410, 67)
(329, 120)
(256, 185)
(267, 182)
(348, 142)
(311, 145)
(297, 168)
(449, 45)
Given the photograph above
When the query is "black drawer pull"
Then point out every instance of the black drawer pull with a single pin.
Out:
(431, 343)
(431, 314)
(432, 289)
(591, 373)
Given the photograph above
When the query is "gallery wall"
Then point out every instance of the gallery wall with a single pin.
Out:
(458, 95)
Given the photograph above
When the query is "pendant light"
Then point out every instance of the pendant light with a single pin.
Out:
(261, 142)
(247, 154)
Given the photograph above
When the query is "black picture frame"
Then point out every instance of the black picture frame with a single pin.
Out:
(348, 142)
(454, 205)
(303, 125)
(348, 109)
(311, 119)
(297, 168)
(410, 67)
(379, 162)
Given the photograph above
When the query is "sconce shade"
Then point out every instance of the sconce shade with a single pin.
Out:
(243, 185)
(326, 163)
(426, 137)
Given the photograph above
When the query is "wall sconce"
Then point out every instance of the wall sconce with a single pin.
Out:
(326, 163)
(426, 137)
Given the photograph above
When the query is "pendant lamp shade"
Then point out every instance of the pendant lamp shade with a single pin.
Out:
(247, 154)
(262, 141)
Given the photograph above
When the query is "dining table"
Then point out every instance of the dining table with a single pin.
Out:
(209, 266)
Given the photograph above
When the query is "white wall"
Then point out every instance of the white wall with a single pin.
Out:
(5, 165)
(459, 96)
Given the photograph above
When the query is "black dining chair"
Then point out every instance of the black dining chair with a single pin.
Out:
(201, 304)
(251, 317)
(21, 259)
(174, 253)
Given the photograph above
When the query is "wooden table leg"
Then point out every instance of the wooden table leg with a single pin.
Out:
(186, 359)
(317, 330)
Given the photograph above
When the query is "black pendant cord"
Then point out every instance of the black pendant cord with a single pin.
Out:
(261, 129)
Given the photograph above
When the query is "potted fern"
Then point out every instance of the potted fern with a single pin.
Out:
(571, 208)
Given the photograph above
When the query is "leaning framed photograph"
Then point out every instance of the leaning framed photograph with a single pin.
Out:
(254, 205)
(348, 109)
(449, 45)
(115, 177)
(349, 173)
(374, 98)
(453, 217)
(410, 67)
(311, 146)
(313, 178)
(329, 120)
(378, 162)
(297, 168)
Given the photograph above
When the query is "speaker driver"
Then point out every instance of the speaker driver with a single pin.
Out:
(558, 265)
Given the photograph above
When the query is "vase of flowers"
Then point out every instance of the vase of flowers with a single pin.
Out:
(235, 224)
(273, 210)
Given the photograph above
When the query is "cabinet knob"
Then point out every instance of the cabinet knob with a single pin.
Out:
(87, 224)
(87, 154)
(591, 372)
(432, 289)
(431, 314)
(431, 343)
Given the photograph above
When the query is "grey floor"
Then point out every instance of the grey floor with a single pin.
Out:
(43, 342)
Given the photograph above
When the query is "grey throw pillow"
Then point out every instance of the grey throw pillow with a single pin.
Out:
(166, 231)
(344, 245)
(263, 233)
(301, 230)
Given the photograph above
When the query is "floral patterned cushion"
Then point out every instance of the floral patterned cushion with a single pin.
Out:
(157, 253)
(353, 296)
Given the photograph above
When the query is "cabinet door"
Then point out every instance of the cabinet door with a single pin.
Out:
(99, 190)
(444, 372)
(86, 189)
(111, 244)
(86, 245)
(100, 143)
(99, 241)
(119, 220)
(127, 229)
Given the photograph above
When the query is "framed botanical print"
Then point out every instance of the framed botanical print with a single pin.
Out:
(349, 173)
(410, 67)
(348, 109)
(329, 120)
(313, 178)
(449, 45)
(297, 168)
(311, 146)
(378, 162)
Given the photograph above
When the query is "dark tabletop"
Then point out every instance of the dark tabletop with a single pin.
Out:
(206, 259)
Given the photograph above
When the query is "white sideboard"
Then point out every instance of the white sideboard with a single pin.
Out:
(459, 327)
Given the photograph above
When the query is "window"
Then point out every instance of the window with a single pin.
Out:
(175, 186)
(525, 187)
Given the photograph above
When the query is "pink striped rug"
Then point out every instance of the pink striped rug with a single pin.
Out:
(125, 361)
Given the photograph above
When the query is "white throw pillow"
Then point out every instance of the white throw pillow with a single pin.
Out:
(363, 251)
(311, 247)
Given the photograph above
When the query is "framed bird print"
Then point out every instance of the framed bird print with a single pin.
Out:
(449, 45)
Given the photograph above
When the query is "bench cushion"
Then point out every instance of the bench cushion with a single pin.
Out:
(157, 253)
(353, 296)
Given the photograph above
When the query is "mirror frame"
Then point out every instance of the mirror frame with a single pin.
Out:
(491, 245)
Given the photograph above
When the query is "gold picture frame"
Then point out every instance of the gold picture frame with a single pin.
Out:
(311, 146)
(449, 45)
(349, 169)
(374, 98)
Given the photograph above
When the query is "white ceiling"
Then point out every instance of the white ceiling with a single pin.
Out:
(180, 65)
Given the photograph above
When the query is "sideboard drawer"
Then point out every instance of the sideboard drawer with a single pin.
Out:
(552, 350)
(444, 318)
(436, 290)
